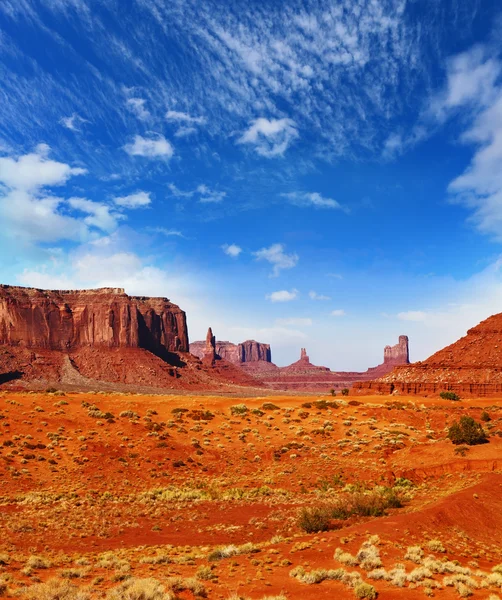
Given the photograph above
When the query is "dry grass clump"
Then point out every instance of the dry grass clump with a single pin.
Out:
(415, 554)
(37, 562)
(368, 557)
(345, 558)
(365, 590)
(57, 589)
(139, 589)
(231, 550)
(318, 575)
(205, 573)
(436, 546)
(179, 584)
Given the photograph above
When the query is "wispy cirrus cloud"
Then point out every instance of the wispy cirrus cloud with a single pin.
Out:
(202, 192)
(315, 296)
(73, 123)
(313, 199)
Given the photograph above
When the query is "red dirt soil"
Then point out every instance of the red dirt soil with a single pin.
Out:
(138, 475)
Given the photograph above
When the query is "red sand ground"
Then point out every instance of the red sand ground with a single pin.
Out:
(76, 484)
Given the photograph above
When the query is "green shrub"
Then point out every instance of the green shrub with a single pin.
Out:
(345, 392)
(449, 396)
(239, 409)
(485, 417)
(467, 431)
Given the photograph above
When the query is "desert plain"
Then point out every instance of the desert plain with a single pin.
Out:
(128, 496)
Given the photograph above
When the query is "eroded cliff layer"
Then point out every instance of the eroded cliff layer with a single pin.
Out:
(471, 365)
(66, 320)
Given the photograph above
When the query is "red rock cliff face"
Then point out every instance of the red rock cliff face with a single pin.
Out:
(66, 320)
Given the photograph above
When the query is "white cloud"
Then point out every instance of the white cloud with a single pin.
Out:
(283, 296)
(137, 106)
(315, 296)
(311, 199)
(473, 84)
(182, 132)
(137, 200)
(166, 232)
(175, 191)
(72, 123)
(270, 137)
(183, 117)
(207, 195)
(276, 256)
(99, 215)
(26, 211)
(338, 313)
(231, 250)
(157, 147)
(35, 170)
(295, 321)
(412, 315)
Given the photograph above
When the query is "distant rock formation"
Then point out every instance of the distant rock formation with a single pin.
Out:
(245, 352)
(210, 349)
(66, 320)
(398, 354)
(472, 366)
(302, 375)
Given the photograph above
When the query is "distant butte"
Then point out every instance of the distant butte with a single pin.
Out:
(255, 358)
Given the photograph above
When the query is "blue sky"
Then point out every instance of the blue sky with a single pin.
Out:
(319, 174)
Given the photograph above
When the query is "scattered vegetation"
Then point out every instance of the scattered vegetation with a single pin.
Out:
(449, 396)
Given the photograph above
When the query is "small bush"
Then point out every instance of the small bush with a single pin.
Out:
(269, 406)
(485, 417)
(467, 431)
(435, 546)
(449, 396)
(345, 392)
(314, 519)
(239, 409)
(365, 590)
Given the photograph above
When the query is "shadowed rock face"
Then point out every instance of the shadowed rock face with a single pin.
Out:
(67, 320)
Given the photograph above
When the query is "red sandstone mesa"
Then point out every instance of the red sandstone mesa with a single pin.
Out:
(63, 320)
